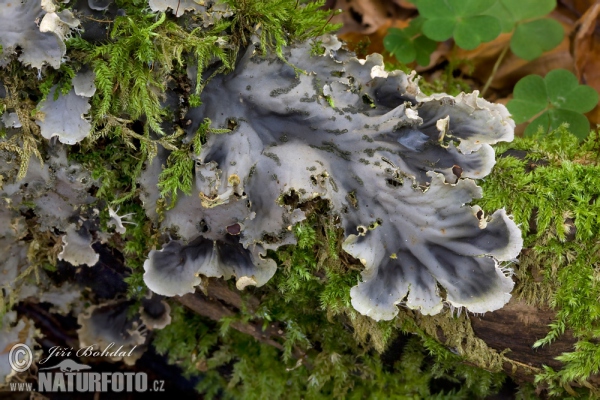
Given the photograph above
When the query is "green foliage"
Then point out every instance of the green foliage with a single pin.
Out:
(408, 44)
(533, 34)
(464, 20)
(511, 12)
(579, 366)
(23, 145)
(278, 21)
(178, 174)
(558, 98)
(558, 182)
(61, 77)
(472, 22)
(533, 38)
(126, 81)
(188, 338)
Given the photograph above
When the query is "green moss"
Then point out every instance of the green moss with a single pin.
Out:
(558, 183)
(24, 144)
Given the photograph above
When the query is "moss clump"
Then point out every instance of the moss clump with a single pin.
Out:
(557, 180)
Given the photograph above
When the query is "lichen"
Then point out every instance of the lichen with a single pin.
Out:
(64, 116)
(13, 332)
(36, 28)
(422, 203)
(327, 349)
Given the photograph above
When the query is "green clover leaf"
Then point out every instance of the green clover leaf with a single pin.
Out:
(511, 12)
(553, 100)
(533, 38)
(533, 35)
(409, 44)
(522, 10)
(462, 19)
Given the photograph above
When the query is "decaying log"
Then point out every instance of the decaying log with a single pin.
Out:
(517, 327)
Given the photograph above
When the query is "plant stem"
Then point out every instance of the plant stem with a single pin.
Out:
(495, 69)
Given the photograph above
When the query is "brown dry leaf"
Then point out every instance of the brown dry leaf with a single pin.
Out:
(405, 4)
(577, 7)
(585, 47)
(368, 16)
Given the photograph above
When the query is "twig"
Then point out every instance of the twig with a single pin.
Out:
(495, 69)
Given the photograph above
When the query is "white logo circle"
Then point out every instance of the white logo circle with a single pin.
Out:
(20, 357)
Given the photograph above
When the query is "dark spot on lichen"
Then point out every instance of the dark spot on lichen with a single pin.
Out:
(291, 110)
(352, 199)
(457, 171)
(331, 147)
(357, 179)
(234, 229)
(280, 91)
(202, 226)
(273, 157)
(393, 182)
(337, 132)
(270, 238)
(307, 99)
(365, 137)
(368, 100)
(291, 199)
(333, 184)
